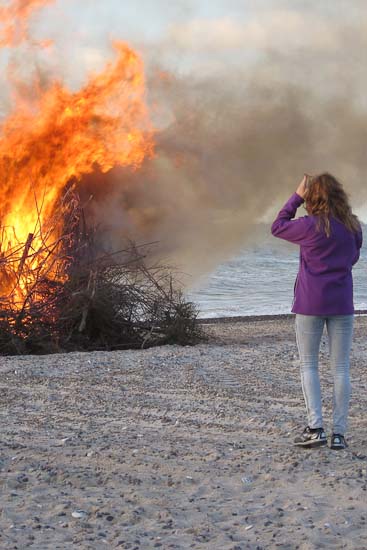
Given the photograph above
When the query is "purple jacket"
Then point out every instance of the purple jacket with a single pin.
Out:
(324, 284)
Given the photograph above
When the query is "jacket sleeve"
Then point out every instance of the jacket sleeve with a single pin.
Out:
(295, 231)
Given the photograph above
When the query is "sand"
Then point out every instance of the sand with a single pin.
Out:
(179, 447)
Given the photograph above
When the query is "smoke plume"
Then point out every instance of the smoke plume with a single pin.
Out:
(14, 20)
(243, 108)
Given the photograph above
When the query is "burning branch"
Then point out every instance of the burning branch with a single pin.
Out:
(24, 255)
(58, 292)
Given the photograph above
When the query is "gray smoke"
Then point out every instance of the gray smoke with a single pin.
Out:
(237, 138)
(245, 104)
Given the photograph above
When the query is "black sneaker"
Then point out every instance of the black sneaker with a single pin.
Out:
(338, 442)
(311, 437)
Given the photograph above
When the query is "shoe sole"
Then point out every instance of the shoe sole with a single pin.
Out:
(338, 447)
(310, 444)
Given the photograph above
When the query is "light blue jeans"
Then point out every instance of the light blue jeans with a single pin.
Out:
(309, 329)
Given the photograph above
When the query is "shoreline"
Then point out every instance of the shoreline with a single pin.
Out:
(252, 318)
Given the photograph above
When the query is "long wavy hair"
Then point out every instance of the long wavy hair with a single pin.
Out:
(326, 198)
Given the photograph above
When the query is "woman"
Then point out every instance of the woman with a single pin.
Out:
(330, 238)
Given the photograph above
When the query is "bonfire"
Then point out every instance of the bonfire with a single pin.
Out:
(58, 289)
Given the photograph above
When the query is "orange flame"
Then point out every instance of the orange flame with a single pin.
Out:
(14, 19)
(60, 135)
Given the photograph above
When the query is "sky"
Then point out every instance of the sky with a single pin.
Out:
(262, 91)
(205, 35)
(309, 44)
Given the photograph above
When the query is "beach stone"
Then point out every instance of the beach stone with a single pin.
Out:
(79, 514)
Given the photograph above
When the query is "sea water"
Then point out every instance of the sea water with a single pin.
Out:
(259, 280)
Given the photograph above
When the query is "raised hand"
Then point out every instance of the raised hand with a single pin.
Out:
(302, 187)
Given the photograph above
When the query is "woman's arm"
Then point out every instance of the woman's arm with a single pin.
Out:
(284, 227)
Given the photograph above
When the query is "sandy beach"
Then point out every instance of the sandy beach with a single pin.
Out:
(179, 447)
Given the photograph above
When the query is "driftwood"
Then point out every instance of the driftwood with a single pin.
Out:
(60, 292)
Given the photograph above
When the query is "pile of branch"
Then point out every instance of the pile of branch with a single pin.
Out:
(59, 292)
